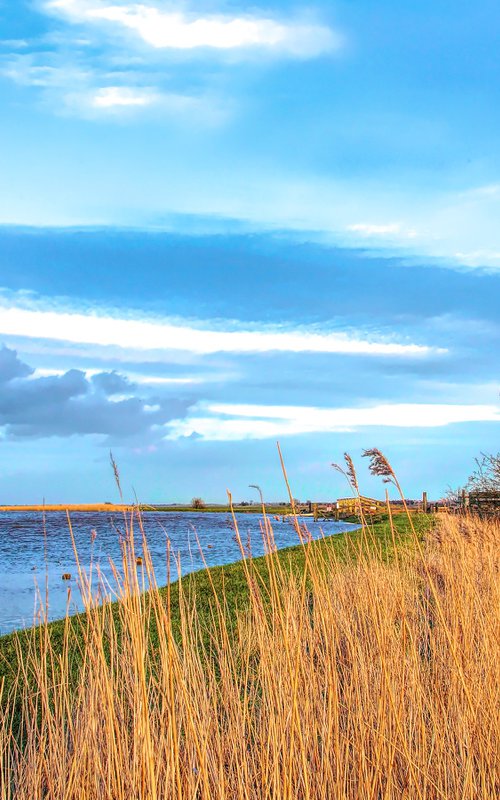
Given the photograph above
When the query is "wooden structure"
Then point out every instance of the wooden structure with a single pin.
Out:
(486, 504)
(350, 505)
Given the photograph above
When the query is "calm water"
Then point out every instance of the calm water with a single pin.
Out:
(26, 557)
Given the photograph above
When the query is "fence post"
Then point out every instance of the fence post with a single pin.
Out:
(424, 502)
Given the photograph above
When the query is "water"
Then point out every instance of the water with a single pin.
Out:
(28, 559)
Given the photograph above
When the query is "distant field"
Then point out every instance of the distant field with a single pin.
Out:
(274, 511)
(110, 507)
(70, 507)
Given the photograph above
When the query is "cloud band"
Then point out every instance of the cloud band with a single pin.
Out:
(138, 334)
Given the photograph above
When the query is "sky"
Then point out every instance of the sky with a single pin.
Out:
(226, 224)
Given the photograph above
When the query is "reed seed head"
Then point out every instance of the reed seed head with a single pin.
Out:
(379, 464)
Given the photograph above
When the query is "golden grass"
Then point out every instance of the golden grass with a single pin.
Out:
(354, 680)
(110, 507)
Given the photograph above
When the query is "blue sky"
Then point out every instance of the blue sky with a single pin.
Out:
(224, 224)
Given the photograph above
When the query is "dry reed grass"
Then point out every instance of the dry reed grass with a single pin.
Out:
(354, 680)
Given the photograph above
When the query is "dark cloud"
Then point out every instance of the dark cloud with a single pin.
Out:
(11, 366)
(111, 383)
(70, 404)
(270, 277)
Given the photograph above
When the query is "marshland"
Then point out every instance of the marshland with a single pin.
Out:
(360, 665)
(223, 224)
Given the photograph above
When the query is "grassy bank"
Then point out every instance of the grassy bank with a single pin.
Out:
(229, 580)
(112, 508)
(255, 508)
(362, 666)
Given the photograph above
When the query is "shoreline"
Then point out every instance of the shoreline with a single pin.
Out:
(341, 542)
(103, 507)
(276, 513)
(68, 507)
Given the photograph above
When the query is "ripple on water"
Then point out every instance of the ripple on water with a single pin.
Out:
(31, 552)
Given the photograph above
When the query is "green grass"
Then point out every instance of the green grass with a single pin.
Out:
(256, 508)
(228, 581)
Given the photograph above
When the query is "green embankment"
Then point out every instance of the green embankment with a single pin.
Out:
(228, 582)
(256, 508)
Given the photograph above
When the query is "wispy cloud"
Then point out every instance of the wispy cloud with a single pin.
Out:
(147, 335)
(14, 44)
(136, 378)
(479, 258)
(116, 66)
(105, 60)
(393, 229)
(81, 90)
(123, 97)
(225, 422)
(176, 30)
(45, 71)
(487, 190)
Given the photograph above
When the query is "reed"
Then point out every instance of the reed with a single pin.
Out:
(355, 677)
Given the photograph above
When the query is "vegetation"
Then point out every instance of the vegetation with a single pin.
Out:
(242, 508)
(486, 475)
(197, 503)
(361, 666)
(228, 580)
(485, 478)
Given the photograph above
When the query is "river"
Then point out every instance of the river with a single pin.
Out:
(30, 559)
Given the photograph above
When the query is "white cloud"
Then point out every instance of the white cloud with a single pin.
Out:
(489, 190)
(122, 97)
(151, 409)
(76, 91)
(130, 99)
(161, 380)
(226, 422)
(134, 377)
(92, 93)
(46, 372)
(180, 31)
(14, 44)
(370, 229)
(391, 229)
(479, 258)
(23, 70)
(140, 334)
